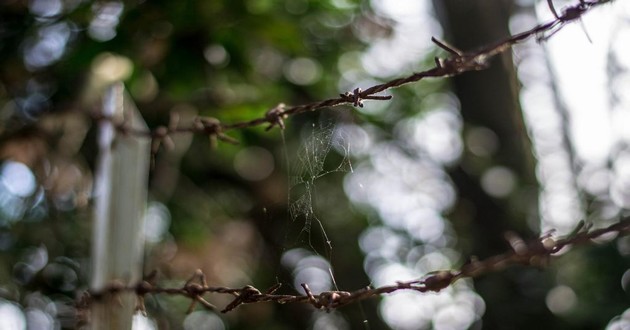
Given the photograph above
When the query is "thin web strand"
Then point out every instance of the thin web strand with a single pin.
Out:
(310, 167)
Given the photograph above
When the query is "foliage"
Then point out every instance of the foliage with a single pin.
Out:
(283, 206)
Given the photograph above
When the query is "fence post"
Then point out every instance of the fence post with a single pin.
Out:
(121, 194)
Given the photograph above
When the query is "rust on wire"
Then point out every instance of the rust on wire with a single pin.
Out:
(534, 253)
(537, 252)
(457, 63)
(213, 128)
(276, 116)
(357, 96)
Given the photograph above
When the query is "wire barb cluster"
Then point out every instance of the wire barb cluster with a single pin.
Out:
(276, 116)
(537, 252)
(357, 96)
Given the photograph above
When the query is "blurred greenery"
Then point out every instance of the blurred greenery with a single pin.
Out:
(234, 60)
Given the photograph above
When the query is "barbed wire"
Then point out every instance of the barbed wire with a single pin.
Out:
(537, 252)
(456, 63)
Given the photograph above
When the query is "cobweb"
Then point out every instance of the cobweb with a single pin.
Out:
(309, 166)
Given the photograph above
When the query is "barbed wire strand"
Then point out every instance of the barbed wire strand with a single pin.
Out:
(457, 63)
(537, 252)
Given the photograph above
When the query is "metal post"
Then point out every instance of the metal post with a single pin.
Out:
(121, 194)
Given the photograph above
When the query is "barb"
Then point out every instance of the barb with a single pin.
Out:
(534, 253)
(457, 63)
(356, 97)
(276, 117)
(213, 128)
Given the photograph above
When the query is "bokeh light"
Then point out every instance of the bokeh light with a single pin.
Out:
(141, 322)
(498, 181)
(303, 71)
(413, 26)
(157, 220)
(17, 185)
(620, 322)
(105, 20)
(561, 299)
(45, 8)
(308, 268)
(203, 320)
(216, 55)
(48, 45)
(254, 163)
(330, 321)
(11, 316)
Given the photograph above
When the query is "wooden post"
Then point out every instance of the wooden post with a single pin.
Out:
(121, 194)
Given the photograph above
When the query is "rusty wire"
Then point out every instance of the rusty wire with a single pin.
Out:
(456, 63)
(534, 253)
(538, 252)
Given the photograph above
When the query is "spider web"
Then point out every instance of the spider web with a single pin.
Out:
(309, 166)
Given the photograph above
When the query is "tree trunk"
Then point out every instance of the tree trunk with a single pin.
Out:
(489, 99)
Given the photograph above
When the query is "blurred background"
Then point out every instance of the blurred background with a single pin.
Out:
(342, 198)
